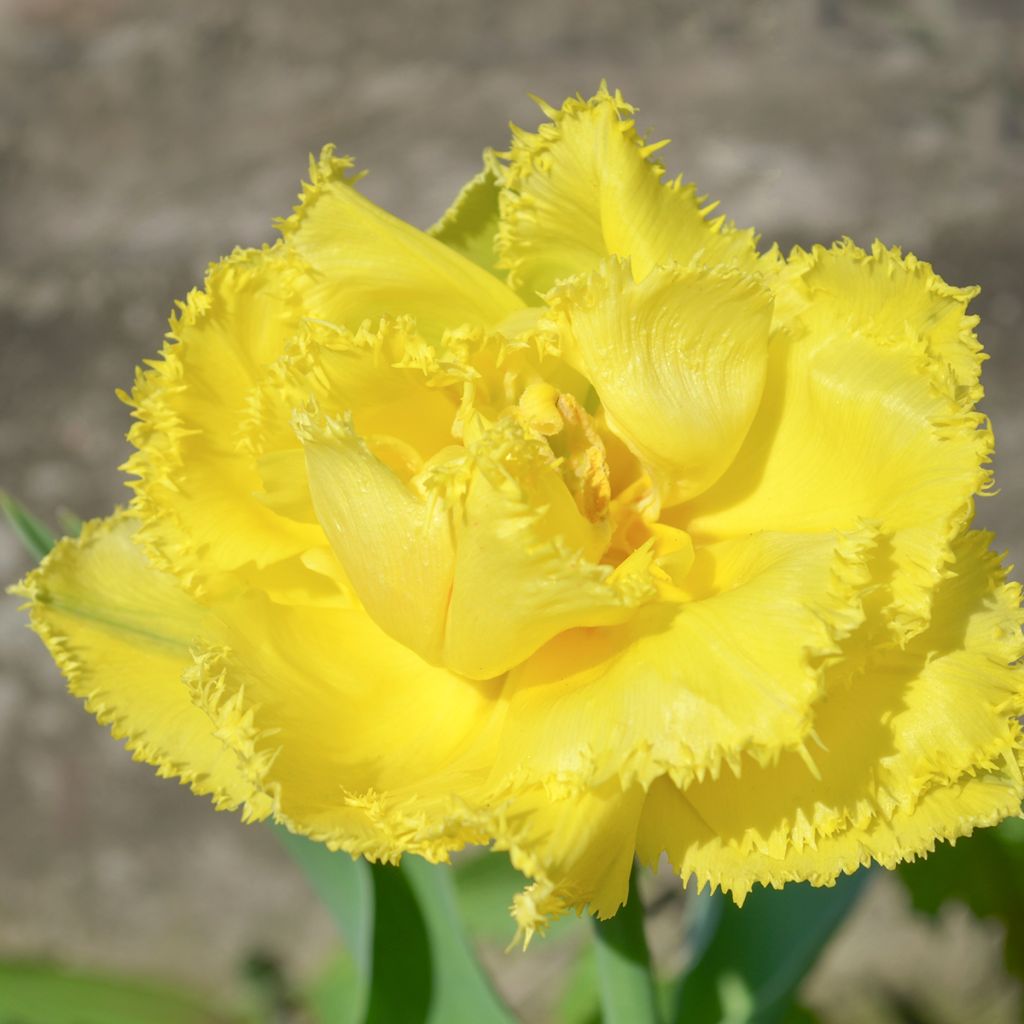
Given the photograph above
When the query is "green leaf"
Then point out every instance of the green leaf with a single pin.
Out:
(462, 991)
(798, 1014)
(43, 994)
(984, 870)
(69, 523)
(471, 223)
(580, 1002)
(345, 887)
(484, 886)
(755, 957)
(334, 997)
(413, 961)
(400, 988)
(624, 965)
(32, 532)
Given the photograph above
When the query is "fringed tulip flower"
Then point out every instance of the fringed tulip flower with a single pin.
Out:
(576, 526)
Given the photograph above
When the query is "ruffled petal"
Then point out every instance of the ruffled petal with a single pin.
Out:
(898, 300)
(353, 740)
(578, 850)
(863, 416)
(352, 737)
(683, 688)
(913, 745)
(470, 225)
(121, 633)
(369, 264)
(584, 187)
(678, 362)
(195, 492)
(670, 823)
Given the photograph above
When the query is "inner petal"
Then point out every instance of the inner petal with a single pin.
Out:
(678, 362)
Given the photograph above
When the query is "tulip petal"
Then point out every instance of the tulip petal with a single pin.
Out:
(394, 545)
(913, 745)
(121, 633)
(583, 187)
(678, 362)
(671, 824)
(358, 741)
(520, 573)
(683, 689)
(578, 849)
(369, 264)
(863, 416)
(194, 492)
(379, 377)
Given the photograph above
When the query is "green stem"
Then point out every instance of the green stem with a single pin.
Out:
(624, 965)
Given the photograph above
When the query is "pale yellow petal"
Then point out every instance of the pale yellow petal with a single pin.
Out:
(584, 187)
(911, 745)
(678, 362)
(671, 824)
(396, 547)
(684, 689)
(372, 376)
(862, 417)
(899, 300)
(121, 633)
(355, 739)
(577, 849)
(195, 492)
(369, 264)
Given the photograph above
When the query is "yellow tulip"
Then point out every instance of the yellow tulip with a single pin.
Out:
(575, 526)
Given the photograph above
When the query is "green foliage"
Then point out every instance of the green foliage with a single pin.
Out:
(43, 994)
(985, 871)
(411, 959)
(754, 958)
(461, 990)
(580, 1002)
(333, 998)
(32, 532)
(624, 965)
(401, 980)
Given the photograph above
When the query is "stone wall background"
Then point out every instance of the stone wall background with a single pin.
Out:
(140, 140)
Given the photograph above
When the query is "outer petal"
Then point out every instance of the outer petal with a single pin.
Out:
(898, 300)
(863, 416)
(370, 264)
(678, 362)
(696, 849)
(195, 492)
(358, 742)
(578, 850)
(682, 688)
(583, 187)
(121, 632)
(916, 745)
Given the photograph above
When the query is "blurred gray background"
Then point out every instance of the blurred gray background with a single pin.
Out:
(141, 140)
